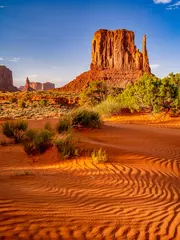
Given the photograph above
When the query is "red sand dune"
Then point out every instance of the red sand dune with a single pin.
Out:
(136, 195)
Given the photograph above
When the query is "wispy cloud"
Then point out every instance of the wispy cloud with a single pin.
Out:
(14, 59)
(154, 66)
(162, 1)
(1, 59)
(2, 6)
(174, 6)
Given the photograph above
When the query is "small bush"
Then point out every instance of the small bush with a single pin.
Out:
(64, 124)
(66, 146)
(7, 129)
(43, 102)
(111, 106)
(86, 118)
(15, 130)
(22, 104)
(42, 140)
(29, 147)
(37, 141)
(99, 156)
(95, 93)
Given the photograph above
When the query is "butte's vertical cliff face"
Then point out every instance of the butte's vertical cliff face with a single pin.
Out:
(115, 59)
(6, 80)
(117, 50)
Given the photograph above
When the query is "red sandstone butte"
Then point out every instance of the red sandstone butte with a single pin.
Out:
(115, 59)
(6, 80)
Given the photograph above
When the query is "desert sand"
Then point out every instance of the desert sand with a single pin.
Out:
(136, 195)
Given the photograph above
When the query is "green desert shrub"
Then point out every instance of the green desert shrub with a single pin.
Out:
(64, 124)
(152, 94)
(95, 93)
(37, 141)
(111, 106)
(29, 147)
(8, 129)
(84, 117)
(15, 130)
(66, 146)
(43, 102)
(99, 156)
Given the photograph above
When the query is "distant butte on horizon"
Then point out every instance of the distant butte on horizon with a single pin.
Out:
(115, 59)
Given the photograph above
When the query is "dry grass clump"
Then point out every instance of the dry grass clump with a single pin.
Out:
(99, 156)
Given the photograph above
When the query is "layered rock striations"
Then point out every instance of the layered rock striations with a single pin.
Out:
(6, 80)
(115, 59)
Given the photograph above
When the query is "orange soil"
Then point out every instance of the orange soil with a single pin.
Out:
(136, 195)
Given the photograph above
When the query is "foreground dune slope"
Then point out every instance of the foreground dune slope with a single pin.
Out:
(136, 195)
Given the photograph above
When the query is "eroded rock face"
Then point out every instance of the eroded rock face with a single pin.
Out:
(115, 59)
(6, 80)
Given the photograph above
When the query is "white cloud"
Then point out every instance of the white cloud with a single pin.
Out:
(14, 60)
(1, 59)
(154, 66)
(2, 6)
(162, 1)
(174, 6)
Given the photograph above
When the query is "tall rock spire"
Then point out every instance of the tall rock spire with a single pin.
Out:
(146, 67)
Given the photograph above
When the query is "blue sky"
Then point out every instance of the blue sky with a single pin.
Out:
(50, 40)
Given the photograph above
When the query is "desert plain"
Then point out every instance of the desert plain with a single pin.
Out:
(135, 195)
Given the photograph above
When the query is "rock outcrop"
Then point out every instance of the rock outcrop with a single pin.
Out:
(115, 59)
(6, 80)
(27, 87)
(48, 86)
(35, 86)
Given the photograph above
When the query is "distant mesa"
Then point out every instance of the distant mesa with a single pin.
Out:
(6, 80)
(115, 59)
(35, 86)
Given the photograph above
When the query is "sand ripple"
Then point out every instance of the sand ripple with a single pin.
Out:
(134, 196)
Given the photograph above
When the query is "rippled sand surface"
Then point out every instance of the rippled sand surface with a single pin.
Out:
(136, 195)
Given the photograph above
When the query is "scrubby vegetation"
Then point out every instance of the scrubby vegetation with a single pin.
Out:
(149, 94)
(37, 104)
(67, 146)
(85, 117)
(97, 92)
(37, 141)
(64, 124)
(99, 156)
(15, 130)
